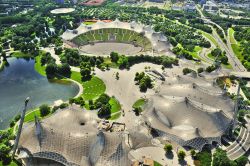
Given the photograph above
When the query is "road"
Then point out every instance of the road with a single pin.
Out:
(233, 60)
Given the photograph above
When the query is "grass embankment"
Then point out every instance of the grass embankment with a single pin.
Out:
(210, 37)
(115, 108)
(139, 103)
(38, 66)
(2, 65)
(19, 54)
(235, 45)
(231, 36)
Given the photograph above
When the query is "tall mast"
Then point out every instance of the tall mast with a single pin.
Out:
(20, 127)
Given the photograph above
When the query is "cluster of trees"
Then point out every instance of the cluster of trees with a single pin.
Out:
(85, 70)
(226, 23)
(242, 35)
(220, 159)
(219, 55)
(183, 53)
(101, 104)
(211, 68)
(53, 70)
(187, 71)
(5, 146)
(126, 61)
(73, 58)
(143, 80)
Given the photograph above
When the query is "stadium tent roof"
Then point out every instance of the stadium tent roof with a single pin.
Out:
(191, 111)
(157, 39)
(71, 137)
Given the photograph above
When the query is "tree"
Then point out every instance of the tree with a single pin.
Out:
(117, 76)
(85, 70)
(186, 71)
(51, 70)
(44, 110)
(114, 56)
(181, 155)
(200, 70)
(103, 98)
(193, 153)
(168, 148)
(4, 56)
(220, 159)
(242, 161)
(64, 70)
(105, 111)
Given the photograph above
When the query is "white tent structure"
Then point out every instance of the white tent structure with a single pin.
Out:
(190, 111)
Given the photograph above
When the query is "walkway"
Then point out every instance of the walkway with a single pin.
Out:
(242, 143)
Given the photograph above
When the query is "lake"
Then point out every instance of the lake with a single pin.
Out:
(19, 80)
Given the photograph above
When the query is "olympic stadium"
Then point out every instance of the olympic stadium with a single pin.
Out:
(190, 111)
(123, 37)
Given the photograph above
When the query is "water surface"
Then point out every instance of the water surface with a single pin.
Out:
(20, 80)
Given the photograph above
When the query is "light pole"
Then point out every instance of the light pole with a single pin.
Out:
(20, 127)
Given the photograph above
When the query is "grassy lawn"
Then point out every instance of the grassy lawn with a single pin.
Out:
(116, 107)
(30, 116)
(139, 103)
(76, 76)
(88, 22)
(231, 36)
(38, 67)
(210, 37)
(157, 164)
(93, 88)
(111, 64)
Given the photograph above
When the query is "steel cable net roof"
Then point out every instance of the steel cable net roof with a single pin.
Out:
(190, 111)
(158, 40)
(71, 138)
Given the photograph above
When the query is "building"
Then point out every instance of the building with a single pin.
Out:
(210, 7)
(60, 1)
(190, 6)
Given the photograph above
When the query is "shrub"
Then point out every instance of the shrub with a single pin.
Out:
(181, 155)
(193, 153)
(168, 148)
(44, 110)
(200, 70)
